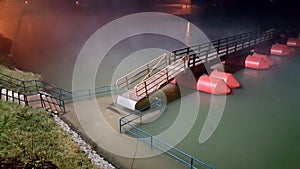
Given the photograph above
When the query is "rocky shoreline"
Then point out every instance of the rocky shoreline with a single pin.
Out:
(91, 154)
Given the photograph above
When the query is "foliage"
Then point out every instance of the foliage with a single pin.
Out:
(29, 133)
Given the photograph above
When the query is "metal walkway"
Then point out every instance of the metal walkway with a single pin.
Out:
(145, 80)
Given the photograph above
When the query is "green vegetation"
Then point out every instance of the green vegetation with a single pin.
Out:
(27, 133)
(18, 80)
(18, 74)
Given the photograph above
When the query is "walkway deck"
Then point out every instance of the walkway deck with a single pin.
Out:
(145, 80)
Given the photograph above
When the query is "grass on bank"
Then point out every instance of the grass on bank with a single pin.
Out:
(28, 133)
(16, 79)
(19, 74)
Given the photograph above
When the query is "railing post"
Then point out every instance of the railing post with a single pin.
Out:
(36, 85)
(146, 90)
(60, 94)
(167, 73)
(148, 68)
(120, 125)
(42, 101)
(6, 99)
(127, 84)
(194, 61)
(227, 46)
(192, 161)
(13, 95)
(24, 87)
(26, 100)
(184, 63)
(63, 105)
(218, 48)
(0, 92)
(89, 93)
(151, 140)
(19, 99)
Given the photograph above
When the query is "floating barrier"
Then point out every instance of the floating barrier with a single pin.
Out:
(212, 85)
(174, 81)
(228, 78)
(256, 63)
(264, 58)
(279, 49)
(293, 42)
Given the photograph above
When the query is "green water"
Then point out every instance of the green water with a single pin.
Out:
(260, 124)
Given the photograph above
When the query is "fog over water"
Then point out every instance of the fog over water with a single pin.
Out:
(261, 120)
(52, 33)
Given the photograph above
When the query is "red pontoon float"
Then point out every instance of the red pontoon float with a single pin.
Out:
(212, 85)
(256, 63)
(293, 42)
(228, 78)
(279, 49)
(264, 58)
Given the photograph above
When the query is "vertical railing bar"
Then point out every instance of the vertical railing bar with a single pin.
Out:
(6, 95)
(42, 100)
(13, 96)
(126, 79)
(26, 100)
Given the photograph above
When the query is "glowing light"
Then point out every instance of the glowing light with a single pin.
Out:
(187, 35)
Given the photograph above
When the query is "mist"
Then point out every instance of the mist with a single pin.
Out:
(52, 33)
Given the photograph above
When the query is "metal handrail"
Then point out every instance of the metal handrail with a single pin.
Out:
(226, 43)
(144, 67)
(143, 89)
(155, 66)
(158, 143)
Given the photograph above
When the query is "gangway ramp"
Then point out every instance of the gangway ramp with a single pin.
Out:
(160, 71)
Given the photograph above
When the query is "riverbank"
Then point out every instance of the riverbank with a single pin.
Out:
(33, 137)
(38, 138)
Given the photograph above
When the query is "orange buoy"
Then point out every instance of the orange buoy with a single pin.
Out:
(265, 58)
(256, 63)
(293, 42)
(212, 85)
(279, 49)
(228, 78)
(174, 81)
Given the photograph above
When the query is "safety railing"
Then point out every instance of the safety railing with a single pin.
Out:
(49, 102)
(12, 96)
(37, 100)
(167, 73)
(222, 47)
(174, 152)
(134, 77)
(28, 87)
(137, 116)
(88, 93)
(23, 86)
